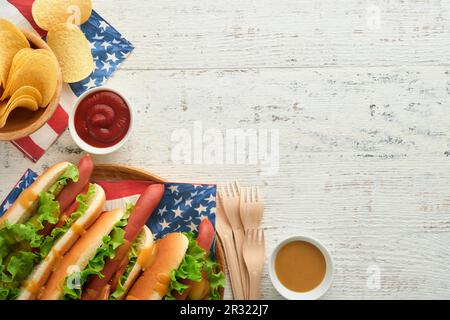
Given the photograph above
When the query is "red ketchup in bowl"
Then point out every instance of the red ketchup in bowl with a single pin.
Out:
(102, 119)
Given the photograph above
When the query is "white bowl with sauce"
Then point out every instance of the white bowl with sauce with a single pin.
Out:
(308, 279)
(108, 147)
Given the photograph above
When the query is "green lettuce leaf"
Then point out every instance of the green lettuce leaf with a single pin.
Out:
(16, 235)
(216, 279)
(194, 262)
(94, 267)
(82, 200)
(48, 208)
(132, 258)
(71, 173)
(48, 211)
(20, 266)
(18, 242)
(15, 269)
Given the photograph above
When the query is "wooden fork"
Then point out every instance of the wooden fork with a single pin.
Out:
(225, 234)
(230, 196)
(254, 254)
(251, 207)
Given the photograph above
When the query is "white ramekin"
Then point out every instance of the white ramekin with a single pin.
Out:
(317, 292)
(87, 147)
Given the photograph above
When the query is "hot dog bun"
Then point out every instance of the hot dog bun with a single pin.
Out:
(154, 282)
(25, 205)
(145, 205)
(145, 258)
(40, 274)
(80, 254)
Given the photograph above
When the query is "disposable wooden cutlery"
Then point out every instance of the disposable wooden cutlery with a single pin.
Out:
(230, 196)
(225, 233)
(254, 250)
(251, 207)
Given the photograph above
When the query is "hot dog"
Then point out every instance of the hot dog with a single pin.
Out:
(73, 188)
(206, 235)
(176, 253)
(129, 242)
(73, 207)
(144, 207)
(205, 240)
(67, 197)
(41, 209)
(90, 253)
(119, 273)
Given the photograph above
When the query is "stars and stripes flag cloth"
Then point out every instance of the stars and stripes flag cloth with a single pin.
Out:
(109, 50)
(181, 209)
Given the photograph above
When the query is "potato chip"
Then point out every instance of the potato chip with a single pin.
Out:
(24, 53)
(3, 105)
(26, 91)
(6, 25)
(48, 13)
(27, 102)
(20, 57)
(38, 70)
(72, 51)
(32, 91)
(17, 61)
(28, 77)
(12, 40)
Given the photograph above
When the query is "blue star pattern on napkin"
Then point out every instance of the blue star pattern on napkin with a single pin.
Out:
(109, 49)
(182, 209)
(24, 182)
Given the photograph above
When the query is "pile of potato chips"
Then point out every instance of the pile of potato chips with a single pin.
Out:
(61, 19)
(28, 77)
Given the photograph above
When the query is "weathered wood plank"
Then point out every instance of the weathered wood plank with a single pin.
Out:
(232, 34)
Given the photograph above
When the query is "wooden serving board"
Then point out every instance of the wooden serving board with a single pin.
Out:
(117, 172)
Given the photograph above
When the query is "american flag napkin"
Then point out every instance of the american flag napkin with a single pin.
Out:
(109, 50)
(25, 181)
(181, 209)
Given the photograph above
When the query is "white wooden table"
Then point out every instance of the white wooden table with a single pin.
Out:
(361, 102)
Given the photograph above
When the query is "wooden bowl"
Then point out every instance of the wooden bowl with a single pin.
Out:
(117, 172)
(22, 122)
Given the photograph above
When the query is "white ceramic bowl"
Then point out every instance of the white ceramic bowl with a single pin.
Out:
(87, 147)
(317, 292)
